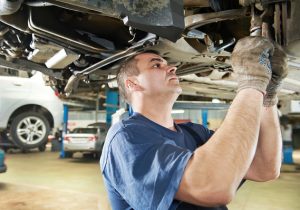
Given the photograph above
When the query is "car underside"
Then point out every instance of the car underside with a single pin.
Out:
(79, 44)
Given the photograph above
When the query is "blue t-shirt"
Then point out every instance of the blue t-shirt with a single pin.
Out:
(142, 163)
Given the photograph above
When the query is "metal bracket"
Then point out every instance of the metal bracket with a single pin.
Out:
(149, 40)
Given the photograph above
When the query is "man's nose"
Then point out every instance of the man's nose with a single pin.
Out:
(172, 69)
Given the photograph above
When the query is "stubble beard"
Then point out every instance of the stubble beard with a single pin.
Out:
(177, 89)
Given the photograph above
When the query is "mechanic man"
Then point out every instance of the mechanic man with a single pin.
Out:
(149, 162)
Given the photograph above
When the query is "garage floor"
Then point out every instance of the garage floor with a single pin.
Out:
(43, 181)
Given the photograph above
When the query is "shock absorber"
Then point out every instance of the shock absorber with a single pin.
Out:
(259, 27)
(256, 23)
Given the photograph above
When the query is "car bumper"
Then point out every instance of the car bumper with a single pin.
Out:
(80, 147)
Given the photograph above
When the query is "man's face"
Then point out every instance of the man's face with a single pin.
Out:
(156, 76)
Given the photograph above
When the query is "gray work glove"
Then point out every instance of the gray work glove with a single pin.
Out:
(251, 64)
(279, 72)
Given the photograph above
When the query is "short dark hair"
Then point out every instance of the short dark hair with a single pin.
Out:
(129, 68)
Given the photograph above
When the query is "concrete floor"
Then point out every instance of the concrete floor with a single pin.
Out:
(43, 181)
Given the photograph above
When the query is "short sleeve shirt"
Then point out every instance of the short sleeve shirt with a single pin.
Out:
(142, 163)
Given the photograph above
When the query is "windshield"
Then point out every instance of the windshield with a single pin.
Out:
(85, 130)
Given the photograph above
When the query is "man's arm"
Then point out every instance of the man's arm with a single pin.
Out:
(267, 160)
(216, 169)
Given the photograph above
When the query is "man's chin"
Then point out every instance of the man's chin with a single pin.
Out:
(176, 88)
(179, 90)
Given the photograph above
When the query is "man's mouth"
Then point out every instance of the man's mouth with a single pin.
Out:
(173, 77)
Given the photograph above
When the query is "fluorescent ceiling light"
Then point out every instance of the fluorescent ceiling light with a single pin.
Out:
(177, 111)
(215, 100)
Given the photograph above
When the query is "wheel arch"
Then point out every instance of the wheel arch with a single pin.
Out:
(32, 107)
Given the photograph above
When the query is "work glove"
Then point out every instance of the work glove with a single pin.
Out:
(279, 72)
(250, 62)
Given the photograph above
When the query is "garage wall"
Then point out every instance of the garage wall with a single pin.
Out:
(84, 118)
(215, 117)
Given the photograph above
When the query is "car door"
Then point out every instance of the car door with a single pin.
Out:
(15, 87)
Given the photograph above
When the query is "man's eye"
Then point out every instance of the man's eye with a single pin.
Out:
(156, 65)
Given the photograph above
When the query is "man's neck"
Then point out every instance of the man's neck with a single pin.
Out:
(160, 113)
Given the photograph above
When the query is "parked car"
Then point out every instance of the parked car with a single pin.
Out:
(29, 110)
(79, 44)
(85, 140)
(2, 161)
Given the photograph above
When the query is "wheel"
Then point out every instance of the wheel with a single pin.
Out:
(99, 148)
(24, 151)
(98, 155)
(42, 148)
(68, 154)
(88, 155)
(30, 130)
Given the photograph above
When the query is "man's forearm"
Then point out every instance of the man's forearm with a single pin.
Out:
(238, 137)
(217, 168)
(267, 161)
(214, 172)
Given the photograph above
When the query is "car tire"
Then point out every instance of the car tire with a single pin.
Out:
(97, 155)
(29, 130)
(68, 154)
(42, 148)
(24, 151)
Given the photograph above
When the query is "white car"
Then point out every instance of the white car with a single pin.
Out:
(29, 110)
(85, 140)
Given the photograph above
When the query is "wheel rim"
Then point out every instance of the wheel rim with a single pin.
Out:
(31, 130)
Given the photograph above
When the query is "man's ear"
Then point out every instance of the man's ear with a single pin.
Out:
(132, 84)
